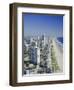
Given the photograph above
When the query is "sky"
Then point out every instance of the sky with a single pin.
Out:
(39, 24)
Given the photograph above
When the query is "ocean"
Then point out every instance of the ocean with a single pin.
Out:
(60, 39)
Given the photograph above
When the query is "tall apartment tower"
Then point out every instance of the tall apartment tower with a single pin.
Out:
(35, 55)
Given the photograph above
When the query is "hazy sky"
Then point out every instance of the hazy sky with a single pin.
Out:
(39, 24)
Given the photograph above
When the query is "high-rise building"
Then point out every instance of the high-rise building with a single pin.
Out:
(44, 40)
(35, 55)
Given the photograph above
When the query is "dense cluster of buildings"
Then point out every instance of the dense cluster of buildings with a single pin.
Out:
(38, 55)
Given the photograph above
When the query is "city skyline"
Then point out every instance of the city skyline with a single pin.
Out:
(39, 24)
(43, 44)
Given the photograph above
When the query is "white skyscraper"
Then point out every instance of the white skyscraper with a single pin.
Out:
(38, 55)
